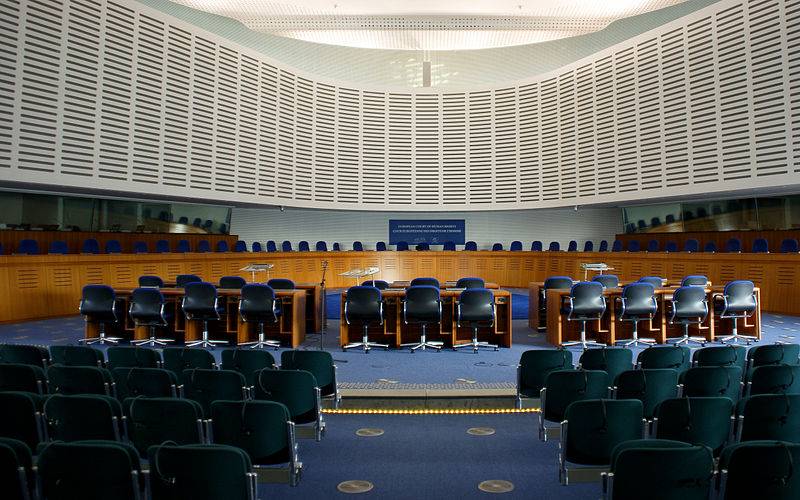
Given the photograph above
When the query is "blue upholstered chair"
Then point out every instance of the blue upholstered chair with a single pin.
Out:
(734, 245)
(616, 246)
(256, 246)
(588, 246)
(240, 246)
(222, 246)
(203, 246)
(286, 246)
(402, 245)
(357, 246)
(90, 245)
(536, 246)
(113, 246)
(633, 246)
(271, 247)
(303, 246)
(554, 247)
(671, 247)
(321, 246)
(140, 247)
(497, 247)
(691, 246)
(572, 246)
(710, 247)
(59, 247)
(516, 246)
(29, 247)
(471, 246)
(162, 246)
(603, 246)
(380, 246)
(760, 245)
(652, 246)
(184, 246)
(789, 245)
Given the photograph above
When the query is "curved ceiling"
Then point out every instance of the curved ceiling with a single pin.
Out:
(427, 24)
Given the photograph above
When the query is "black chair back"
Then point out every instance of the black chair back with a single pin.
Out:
(475, 305)
(425, 282)
(258, 303)
(232, 282)
(656, 281)
(200, 300)
(739, 297)
(694, 280)
(422, 304)
(99, 303)
(607, 280)
(183, 279)
(363, 305)
(638, 299)
(689, 302)
(281, 284)
(470, 283)
(151, 282)
(586, 298)
(147, 307)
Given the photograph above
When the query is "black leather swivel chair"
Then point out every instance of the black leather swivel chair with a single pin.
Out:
(99, 305)
(738, 302)
(607, 280)
(258, 305)
(422, 305)
(232, 282)
(281, 284)
(150, 282)
(183, 279)
(638, 303)
(200, 303)
(586, 303)
(470, 283)
(689, 307)
(363, 306)
(147, 309)
(475, 309)
(425, 282)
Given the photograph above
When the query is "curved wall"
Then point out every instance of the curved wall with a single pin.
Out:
(120, 97)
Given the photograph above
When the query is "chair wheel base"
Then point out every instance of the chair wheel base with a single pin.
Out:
(422, 345)
(152, 341)
(259, 344)
(475, 345)
(100, 340)
(365, 345)
(205, 343)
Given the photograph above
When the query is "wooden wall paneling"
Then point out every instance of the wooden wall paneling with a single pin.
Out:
(339, 265)
(446, 267)
(480, 266)
(408, 266)
(62, 286)
(390, 266)
(513, 270)
(28, 295)
(498, 269)
(463, 266)
(426, 265)
(774, 238)
(5, 304)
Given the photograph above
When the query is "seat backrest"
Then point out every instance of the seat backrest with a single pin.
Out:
(62, 470)
(773, 354)
(381, 246)
(739, 297)
(379, 284)
(147, 307)
(401, 246)
(603, 246)
(197, 222)
(470, 283)
(113, 246)
(26, 354)
(29, 247)
(154, 420)
(607, 280)
(612, 360)
(271, 247)
(597, 426)
(760, 469)
(226, 472)
(471, 246)
(588, 246)
(130, 356)
(98, 303)
(203, 246)
(422, 303)
(286, 246)
(183, 279)
(140, 247)
(423, 246)
(184, 246)
(59, 247)
(695, 420)
(673, 356)
(652, 246)
(449, 246)
(775, 379)
(248, 362)
(232, 282)
(162, 246)
(79, 417)
(303, 246)
(536, 246)
(656, 281)
(240, 246)
(321, 246)
(475, 305)
(638, 299)
(200, 298)
(789, 245)
(177, 359)
(687, 472)
(425, 281)
(363, 305)
(563, 387)
(689, 305)
(728, 355)
(496, 247)
(258, 303)
(22, 377)
(357, 246)
(297, 389)
(257, 247)
(694, 280)
(616, 246)
(319, 363)
(716, 381)
(554, 246)
(516, 246)
(760, 245)
(633, 246)
(770, 416)
(586, 298)
(21, 416)
(131, 382)
(257, 427)
(691, 245)
(572, 246)
(558, 282)
(734, 245)
(536, 364)
(671, 247)
(222, 246)
(77, 355)
(710, 247)
(281, 284)
(150, 282)
(648, 385)
(205, 386)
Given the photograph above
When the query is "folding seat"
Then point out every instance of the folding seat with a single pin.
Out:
(205, 386)
(299, 391)
(533, 368)
(16, 469)
(131, 382)
(153, 421)
(80, 380)
(760, 469)
(143, 357)
(249, 362)
(651, 386)
(84, 416)
(22, 377)
(612, 360)
(26, 354)
(563, 387)
(695, 420)
(709, 381)
(320, 364)
(21, 417)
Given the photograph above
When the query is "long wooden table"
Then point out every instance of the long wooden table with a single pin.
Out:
(290, 330)
(45, 286)
(610, 328)
(394, 331)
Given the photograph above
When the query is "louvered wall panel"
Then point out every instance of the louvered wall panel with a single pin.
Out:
(705, 103)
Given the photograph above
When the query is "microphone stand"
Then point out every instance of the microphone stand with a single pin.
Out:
(324, 306)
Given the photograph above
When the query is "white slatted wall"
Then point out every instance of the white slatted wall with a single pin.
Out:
(118, 96)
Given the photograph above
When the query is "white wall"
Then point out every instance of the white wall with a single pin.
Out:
(485, 228)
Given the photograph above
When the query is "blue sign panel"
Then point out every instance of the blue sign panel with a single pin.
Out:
(433, 232)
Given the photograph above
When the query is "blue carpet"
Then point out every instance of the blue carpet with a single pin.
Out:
(431, 456)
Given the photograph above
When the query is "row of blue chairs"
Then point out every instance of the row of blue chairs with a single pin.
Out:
(91, 246)
(733, 245)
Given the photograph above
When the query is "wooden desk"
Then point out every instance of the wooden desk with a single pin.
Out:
(394, 331)
(290, 330)
(611, 328)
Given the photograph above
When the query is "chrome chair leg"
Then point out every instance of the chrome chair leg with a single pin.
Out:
(686, 338)
(735, 333)
(475, 344)
(636, 340)
(582, 342)
(365, 343)
(204, 342)
(258, 344)
(101, 338)
(152, 340)
(423, 343)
